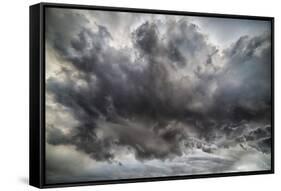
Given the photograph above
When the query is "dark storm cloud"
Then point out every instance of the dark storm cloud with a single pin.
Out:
(132, 100)
(56, 136)
(244, 88)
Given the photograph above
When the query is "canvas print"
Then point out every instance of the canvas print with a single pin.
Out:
(137, 95)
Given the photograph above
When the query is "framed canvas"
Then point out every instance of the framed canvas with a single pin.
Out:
(122, 95)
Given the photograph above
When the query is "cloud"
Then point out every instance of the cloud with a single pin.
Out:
(167, 92)
(65, 164)
(223, 31)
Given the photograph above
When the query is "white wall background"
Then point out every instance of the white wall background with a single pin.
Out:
(14, 88)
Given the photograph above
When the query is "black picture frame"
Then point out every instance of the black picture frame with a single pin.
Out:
(37, 94)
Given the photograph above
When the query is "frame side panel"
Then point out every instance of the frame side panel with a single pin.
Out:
(34, 96)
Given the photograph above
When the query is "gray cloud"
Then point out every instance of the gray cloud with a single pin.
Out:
(223, 31)
(169, 91)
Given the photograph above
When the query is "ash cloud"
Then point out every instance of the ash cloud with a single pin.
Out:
(172, 90)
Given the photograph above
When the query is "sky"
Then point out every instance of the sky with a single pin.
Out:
(134, 95)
